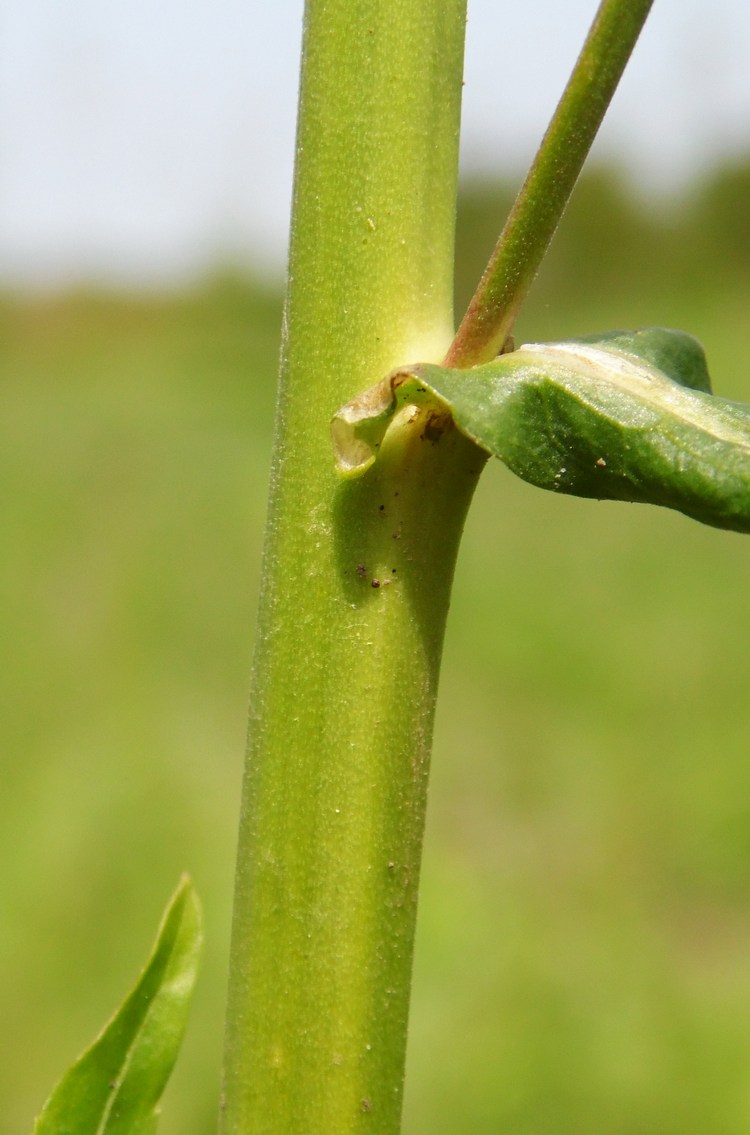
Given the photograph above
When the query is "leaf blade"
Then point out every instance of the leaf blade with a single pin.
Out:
(114, 1087)
(621, 416)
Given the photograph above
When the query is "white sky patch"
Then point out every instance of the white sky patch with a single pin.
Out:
(143, 143)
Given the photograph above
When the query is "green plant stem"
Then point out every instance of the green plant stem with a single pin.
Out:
(355, 587)
(531, 224)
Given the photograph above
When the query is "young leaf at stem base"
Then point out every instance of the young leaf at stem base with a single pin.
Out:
(115, 1086)
(621, 416)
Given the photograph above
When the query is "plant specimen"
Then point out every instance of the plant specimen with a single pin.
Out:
(362, 539)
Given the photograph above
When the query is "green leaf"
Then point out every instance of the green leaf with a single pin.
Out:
(115, 1086)
(622, 416)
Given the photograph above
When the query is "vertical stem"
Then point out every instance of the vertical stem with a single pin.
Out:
(355, 587)
(549, 184)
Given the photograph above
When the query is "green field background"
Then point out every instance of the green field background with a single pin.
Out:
(583, 953)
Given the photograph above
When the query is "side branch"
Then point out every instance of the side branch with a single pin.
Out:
(530, 227)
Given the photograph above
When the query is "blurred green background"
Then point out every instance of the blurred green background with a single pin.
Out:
(583, 954)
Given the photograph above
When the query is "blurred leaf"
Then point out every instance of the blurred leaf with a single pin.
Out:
(621, 416)
(115, 1086)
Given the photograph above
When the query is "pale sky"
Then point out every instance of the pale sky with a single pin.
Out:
(142, 143)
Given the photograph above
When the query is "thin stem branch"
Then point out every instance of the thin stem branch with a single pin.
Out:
(528, 231)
